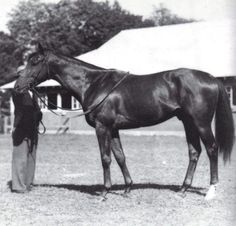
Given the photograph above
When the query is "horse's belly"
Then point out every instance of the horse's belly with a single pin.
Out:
(126, 121)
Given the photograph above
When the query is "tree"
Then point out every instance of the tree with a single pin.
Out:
(10, 58)
(72, 27)
(27, 23)
(163, 16)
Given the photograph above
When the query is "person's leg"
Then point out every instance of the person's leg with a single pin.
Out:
(31, 163)
(19, 167)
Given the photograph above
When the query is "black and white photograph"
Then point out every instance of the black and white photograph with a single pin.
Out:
(117, 113)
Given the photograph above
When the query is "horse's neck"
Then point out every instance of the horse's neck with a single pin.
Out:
(75, 77)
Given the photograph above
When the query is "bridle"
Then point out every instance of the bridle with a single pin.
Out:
(44, 63)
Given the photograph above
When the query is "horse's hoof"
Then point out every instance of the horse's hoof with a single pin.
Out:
(211, 194)
(126, 195)
(181, 194)
(128, 188)
(105, 192)
(102, 199)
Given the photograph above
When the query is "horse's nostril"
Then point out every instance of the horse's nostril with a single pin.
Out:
(17, 89)
(30, 84)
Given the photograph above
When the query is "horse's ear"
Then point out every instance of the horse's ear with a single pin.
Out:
(39, 48)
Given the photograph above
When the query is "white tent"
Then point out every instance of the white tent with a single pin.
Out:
(47, 83)
(208, 46)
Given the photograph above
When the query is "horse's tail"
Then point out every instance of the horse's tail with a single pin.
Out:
(224, 124)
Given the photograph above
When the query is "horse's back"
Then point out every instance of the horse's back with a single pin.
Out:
(161, 94)
(150, 99)
(174, 86)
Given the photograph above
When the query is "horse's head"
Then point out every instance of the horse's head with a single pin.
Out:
(35, 71)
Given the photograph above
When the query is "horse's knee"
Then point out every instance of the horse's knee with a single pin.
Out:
(106, 161)
(212, 150)
(194, 156)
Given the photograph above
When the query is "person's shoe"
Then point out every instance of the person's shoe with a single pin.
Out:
(29, 188)
(19, 191)
(9, 184)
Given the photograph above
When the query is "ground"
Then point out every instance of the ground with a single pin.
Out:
(69, 179)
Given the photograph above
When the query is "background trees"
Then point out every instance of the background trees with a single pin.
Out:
(163, 16)
(10, 55)
(72, 27)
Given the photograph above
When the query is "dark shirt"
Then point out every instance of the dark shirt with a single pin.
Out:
(27, 118)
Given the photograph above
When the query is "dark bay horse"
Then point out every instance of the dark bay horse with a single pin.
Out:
(115, 100)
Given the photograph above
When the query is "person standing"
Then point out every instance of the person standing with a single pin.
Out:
(25, 140)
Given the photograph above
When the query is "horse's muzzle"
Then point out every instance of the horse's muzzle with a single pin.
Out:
(19, 90)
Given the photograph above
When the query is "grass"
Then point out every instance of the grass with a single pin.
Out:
(69, 179)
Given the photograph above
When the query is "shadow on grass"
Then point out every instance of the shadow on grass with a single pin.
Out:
(98, 188)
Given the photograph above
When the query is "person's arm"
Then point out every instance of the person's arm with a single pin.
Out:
(38, 113)
(19, 114)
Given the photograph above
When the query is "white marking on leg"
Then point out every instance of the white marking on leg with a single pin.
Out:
(211, 193)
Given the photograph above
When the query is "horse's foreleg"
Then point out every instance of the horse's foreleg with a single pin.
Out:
(104, 140)
(194, 148)
(212, 152)
(117, 150)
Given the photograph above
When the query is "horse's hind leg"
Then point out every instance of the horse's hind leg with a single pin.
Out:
(194, 147)
(209, 141)
(117, 150)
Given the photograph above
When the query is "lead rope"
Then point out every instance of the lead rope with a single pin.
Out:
(98, 104)
(44, 128)
(89, 110)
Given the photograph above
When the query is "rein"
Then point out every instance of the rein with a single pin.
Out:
(54, 105)
(90, 109)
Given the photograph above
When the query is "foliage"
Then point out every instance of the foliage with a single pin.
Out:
(72, 27)
(9, 54)
(163, 16)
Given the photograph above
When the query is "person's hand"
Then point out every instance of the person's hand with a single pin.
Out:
(13, 133)
(20, 69)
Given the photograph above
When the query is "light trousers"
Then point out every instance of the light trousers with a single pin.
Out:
(23, 166)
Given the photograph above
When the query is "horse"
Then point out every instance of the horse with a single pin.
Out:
(114, 100)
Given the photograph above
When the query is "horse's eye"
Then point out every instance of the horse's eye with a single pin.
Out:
(35, 60)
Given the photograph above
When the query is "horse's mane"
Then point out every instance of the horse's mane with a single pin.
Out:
(72, 59)
(68, 59)
(75, 60)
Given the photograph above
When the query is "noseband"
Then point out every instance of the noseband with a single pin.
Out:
(44, 63)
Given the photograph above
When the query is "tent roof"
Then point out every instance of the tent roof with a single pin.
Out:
(47, 83)
(207, 46)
